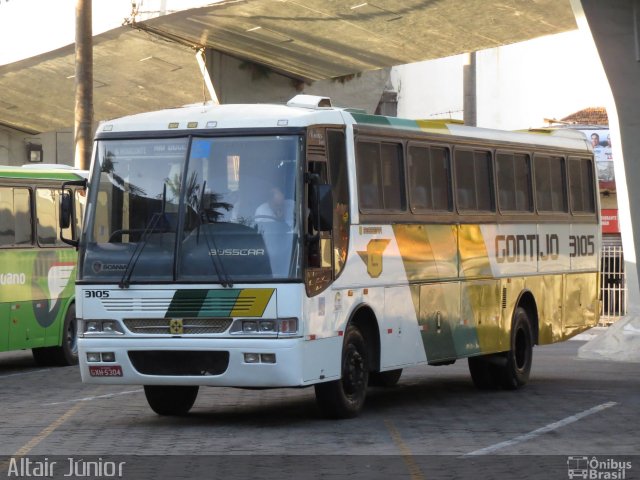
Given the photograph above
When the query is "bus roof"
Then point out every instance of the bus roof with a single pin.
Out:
(307, 110)
(51, 173)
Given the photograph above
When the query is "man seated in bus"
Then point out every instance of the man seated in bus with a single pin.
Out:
(276, 209)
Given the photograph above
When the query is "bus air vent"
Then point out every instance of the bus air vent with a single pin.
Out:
(190, 326)
(180, 363)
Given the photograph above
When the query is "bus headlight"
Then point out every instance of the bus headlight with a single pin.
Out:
(288, 327)
(271, 327)
(99, 327)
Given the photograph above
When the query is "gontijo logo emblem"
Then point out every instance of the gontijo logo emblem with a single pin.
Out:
(176, 327)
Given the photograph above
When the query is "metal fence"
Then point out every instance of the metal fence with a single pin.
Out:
(613, 285)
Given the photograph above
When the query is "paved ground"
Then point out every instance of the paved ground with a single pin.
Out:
(434, 424)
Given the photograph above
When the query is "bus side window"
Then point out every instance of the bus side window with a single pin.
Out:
(474, 178)
(339, 181)
(368, 167)
(23, 216)
(550, 175)
(380, 171)
(430, 179)
(514, 182)
(581, 185)
(7, 219)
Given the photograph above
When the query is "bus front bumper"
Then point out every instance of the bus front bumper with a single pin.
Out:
(252, 363)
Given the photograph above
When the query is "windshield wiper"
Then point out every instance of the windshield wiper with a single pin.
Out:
(221, 272)
(149, 229)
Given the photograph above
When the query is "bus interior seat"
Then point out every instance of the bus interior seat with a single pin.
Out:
(369, 197)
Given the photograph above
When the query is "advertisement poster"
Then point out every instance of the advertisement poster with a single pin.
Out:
(610, 220)
(601, 144)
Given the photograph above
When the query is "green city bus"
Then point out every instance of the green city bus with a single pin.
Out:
(37, 269)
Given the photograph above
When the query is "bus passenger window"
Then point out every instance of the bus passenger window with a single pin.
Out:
(15, 217)
(380, 176)
(7, 219)
(430, 180)
(551, 195)
(474, 177)
(581, 185)
(22, 213)
(514, 182)
(47, 217)
(368, 159)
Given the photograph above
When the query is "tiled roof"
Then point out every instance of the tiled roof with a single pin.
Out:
(589, 116)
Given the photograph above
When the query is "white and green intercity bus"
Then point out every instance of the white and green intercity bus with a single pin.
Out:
(265, 246)
(37, 270)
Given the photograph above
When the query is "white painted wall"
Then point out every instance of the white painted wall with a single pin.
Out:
(518, 85)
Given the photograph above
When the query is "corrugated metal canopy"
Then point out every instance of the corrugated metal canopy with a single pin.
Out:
(139, 69)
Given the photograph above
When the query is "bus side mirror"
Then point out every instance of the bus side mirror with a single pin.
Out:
(66, 210)
(321, 207)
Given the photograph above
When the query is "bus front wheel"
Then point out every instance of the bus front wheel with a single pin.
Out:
(171, 400)
(344, 398)
(385, 379)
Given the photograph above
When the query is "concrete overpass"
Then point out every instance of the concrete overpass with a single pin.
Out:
(147, 65)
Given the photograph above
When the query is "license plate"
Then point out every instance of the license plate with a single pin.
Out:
(105, 371)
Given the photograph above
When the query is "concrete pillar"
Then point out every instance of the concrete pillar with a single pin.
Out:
(470, 102)
(612, 26)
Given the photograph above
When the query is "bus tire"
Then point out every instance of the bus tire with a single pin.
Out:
(483, 373)
(385, 379)
(67, 352)
(516, 369)
(171, 400)
(43, 356)
(344, 398)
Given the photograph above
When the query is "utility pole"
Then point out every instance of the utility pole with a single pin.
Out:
(83, 124)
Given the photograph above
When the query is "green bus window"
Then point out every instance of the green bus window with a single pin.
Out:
(80, 203)
(47, 201)
(15, 217)
(23, 217)
(7, 219)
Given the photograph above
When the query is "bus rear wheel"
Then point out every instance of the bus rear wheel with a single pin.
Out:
(483, 373)
(171, 400)
(344, 398)
(67, 352)
(508, 370)
(517, 367)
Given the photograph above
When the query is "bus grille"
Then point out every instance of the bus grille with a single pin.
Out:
(166, 326)
(179, 363)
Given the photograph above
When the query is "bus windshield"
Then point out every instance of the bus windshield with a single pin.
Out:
(222, 209)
